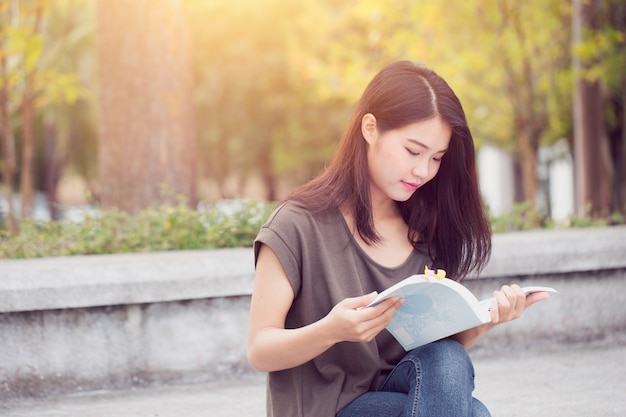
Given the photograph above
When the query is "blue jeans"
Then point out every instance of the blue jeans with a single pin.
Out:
(435, 380)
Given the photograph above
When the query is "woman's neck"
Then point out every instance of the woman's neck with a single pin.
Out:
(384, 209)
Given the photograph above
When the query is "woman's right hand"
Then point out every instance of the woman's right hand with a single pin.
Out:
(349, 322)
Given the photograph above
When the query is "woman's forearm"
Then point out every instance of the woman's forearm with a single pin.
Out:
(275, 349)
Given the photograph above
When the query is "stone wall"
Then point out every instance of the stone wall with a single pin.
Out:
(118, 321)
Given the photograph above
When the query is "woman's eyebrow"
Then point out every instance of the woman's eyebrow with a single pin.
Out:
(423, 145)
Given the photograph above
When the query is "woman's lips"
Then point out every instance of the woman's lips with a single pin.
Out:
(411, 185)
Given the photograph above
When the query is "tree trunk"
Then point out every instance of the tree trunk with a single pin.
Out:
(28, 129)
(620, 176)
(618, 131)
(8, 144)
(527, 154)
(147, 137)
(518, 181)
(28, 155)
(593, 167)
(267, 173)
(51, 166)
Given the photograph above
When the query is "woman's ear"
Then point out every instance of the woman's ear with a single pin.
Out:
(368, 127)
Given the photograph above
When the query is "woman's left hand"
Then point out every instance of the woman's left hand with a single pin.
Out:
(510, 302)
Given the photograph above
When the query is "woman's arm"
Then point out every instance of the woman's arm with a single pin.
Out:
(271, 347)
(509, 303)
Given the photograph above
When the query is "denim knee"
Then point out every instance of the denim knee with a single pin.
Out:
(438, 378)
(445, 362)
(450, 354)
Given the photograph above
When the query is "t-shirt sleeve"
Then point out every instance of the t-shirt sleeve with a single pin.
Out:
(283, 233)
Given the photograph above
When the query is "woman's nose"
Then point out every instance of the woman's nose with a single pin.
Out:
(420, 169)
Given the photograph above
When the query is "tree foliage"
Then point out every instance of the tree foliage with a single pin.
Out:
(259, 110)
(507, 60)
(275, 80)
(33, 82)
(600, 105)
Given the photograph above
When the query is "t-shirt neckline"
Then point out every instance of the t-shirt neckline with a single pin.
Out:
(365, 255)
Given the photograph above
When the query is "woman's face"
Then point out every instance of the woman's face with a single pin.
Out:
(402, 160)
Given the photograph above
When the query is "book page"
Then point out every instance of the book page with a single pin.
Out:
(433, 310)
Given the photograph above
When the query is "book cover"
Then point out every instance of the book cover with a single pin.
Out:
(435, 308)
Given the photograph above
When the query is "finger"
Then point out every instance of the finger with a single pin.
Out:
(505, 307)
(388, 306)
(381, 321)
(514, 295)
(535, 298)
(362, 301)
(518, 300)
(503, 301)
(495, 314)
(372, 320)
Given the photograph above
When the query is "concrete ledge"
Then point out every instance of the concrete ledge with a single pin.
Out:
(118, 321)
(92, 281)
(557, 252)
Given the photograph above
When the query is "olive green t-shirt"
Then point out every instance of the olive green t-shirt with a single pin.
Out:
(325, 265)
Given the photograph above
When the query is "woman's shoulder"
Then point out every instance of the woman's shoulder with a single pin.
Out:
(293, 223)
(292, 228)
(293, 212)
(287, 211)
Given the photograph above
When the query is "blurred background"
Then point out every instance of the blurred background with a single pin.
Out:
(132, 103)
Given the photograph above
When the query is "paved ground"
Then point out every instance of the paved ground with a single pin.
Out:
(575, 382)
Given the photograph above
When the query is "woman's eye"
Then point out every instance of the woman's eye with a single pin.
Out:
(411, 152)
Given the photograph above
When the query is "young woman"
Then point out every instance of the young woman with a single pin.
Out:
(400, 194)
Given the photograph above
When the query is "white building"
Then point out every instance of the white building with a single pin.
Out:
(555, 177)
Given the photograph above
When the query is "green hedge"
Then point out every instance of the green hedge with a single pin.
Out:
(155, 229)
(225, 224)
(525, 216)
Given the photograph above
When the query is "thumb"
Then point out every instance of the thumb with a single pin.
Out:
(535, 298)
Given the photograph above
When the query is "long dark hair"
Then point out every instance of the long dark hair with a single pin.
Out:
(447, 212)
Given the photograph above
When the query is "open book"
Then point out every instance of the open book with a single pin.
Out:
(435, 308)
